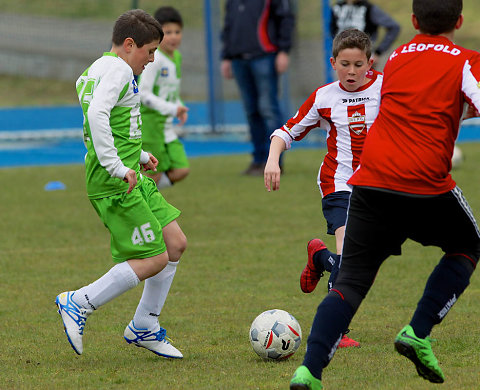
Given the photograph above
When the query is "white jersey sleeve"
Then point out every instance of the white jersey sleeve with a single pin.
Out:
(107, 92)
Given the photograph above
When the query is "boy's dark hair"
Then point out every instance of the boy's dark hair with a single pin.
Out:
(437, 16)
(138, 25)
(168, 15)
(350, 39)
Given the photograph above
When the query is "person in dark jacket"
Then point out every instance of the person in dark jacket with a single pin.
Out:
(367, 17)
(256, 39)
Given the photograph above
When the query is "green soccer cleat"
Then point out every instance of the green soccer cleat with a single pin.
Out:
(419, 351)
(303, 380)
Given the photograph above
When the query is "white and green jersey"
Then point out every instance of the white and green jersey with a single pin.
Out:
(160, 95)
(110, 102)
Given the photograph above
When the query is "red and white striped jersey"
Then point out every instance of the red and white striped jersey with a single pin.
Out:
(426, 85)
(346, 117)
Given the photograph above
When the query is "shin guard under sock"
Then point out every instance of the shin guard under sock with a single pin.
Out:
(330, 323)
(325, 259)
(444, 286)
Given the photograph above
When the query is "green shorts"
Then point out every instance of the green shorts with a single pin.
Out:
(135, 221)
(169, 156)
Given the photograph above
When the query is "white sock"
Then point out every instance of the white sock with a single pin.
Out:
(164, 181)
(153, 298)
(115, 282)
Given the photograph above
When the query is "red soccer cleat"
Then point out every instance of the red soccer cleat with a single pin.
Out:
(310, 274)
(347, 342)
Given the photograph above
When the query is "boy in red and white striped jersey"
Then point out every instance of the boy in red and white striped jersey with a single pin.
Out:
(345, 109)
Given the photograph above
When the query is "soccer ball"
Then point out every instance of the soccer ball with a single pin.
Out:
(275, 334)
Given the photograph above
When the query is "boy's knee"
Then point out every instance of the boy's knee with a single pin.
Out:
(176, 250)
(158, 263)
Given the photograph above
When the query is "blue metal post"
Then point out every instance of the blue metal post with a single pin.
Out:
(327, 40)
(214, 85)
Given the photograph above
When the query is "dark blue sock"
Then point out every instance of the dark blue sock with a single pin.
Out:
(334, 273)
(330, 323)
(325, 259)
(444, 286)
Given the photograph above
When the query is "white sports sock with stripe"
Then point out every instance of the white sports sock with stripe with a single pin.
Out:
(115, 282)
(153, 298)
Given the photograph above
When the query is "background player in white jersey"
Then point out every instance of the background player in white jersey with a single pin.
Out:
(146, 240)
(345, 109)
(160, 96)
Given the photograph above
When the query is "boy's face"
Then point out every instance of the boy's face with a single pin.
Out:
(172, 37)
(351, 66)
(139, 57)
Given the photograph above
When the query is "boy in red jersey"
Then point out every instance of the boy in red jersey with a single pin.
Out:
(403, 189)
(346, 110)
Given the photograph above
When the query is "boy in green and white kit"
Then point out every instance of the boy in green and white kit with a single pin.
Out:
(160, 96)
(146, 240)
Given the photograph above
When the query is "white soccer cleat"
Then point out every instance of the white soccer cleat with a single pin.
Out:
(73, 317)
(157, 342)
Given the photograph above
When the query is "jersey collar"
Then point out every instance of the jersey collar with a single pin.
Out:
(371, 75)
(111, 54)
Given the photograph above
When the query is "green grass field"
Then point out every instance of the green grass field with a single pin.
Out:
(246, 251)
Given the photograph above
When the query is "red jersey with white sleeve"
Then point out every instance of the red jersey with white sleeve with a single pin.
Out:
(346, 117)
(427, 83)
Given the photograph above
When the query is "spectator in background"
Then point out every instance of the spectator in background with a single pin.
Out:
(256, 38)
(367, 17)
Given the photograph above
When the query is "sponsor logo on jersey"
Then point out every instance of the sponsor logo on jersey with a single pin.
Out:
(356, 118)
(356, 100)
(164, 72)
(135, 86)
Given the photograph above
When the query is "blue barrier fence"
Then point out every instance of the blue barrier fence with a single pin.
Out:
(68, 117)
(20, 147)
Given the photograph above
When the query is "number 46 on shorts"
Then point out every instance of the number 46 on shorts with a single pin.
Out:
(142, 234)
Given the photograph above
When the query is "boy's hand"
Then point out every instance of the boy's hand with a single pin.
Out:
(151, 165)
(131, 179)
(471, 112)
(226, 69)
(271, 176)
(282, 60)
(182, 114)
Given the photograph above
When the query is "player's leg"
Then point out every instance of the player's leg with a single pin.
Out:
(446, 221)
(136, 237)
(346, 341)
(339, 237)
(319, 257)
(370, 237)
(179, 166)
(157, 287)
(145, 325)
(155, 144)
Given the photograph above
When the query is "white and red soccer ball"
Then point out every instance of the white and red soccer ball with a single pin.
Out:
(275, 334)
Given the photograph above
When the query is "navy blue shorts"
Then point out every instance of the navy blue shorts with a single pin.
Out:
(335, 207)
(379, 222)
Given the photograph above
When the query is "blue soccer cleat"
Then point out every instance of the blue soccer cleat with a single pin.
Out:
(155, 341)
(73, 317)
